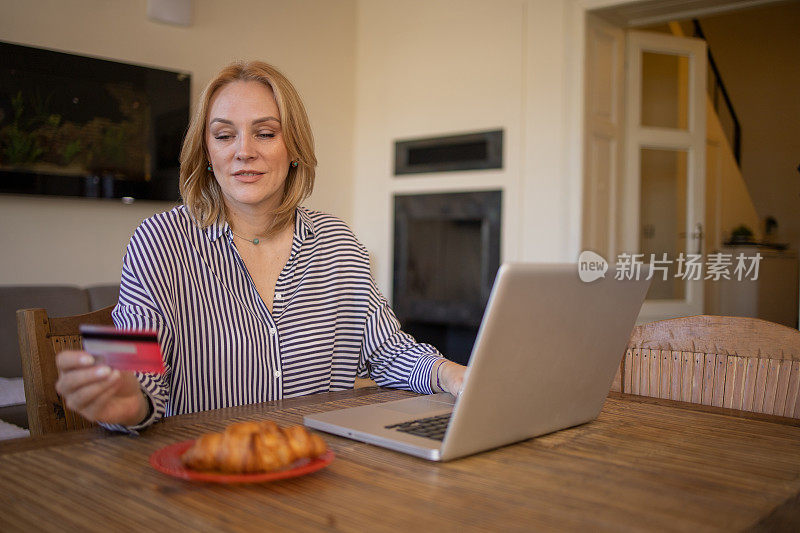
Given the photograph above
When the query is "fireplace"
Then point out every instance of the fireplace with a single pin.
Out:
(446, 255)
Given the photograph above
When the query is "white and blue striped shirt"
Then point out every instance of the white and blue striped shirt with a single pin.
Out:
(222, 347)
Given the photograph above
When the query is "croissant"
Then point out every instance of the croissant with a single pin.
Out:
(251, 447)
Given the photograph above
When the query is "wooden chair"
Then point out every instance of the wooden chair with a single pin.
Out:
(40, 339)
(739, 363)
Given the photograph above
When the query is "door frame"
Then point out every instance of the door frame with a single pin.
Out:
(692, 140)
(576, 16)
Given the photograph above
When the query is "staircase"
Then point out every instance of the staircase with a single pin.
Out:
(721, 100)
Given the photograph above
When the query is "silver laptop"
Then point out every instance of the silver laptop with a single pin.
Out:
(544, 359)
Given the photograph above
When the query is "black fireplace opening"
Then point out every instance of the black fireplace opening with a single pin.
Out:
(446, 255)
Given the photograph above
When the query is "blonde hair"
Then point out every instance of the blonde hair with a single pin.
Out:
(201, 192)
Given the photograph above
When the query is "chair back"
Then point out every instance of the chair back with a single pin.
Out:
(40, 339)
(59, 300)
(740, 363)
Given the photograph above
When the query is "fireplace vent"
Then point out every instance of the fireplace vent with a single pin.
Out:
(472, 151)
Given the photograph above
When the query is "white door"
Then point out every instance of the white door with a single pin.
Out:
(604, 125)
(663, 184)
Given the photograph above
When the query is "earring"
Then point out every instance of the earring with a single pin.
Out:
(209, 166)
(294, 164)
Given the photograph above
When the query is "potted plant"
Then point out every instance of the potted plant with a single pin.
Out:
(742, 235)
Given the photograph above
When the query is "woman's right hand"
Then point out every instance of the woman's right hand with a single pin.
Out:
(97, 392)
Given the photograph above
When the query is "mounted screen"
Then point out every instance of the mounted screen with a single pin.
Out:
(72, 125)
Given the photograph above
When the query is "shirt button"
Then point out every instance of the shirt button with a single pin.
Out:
(277, 373)
(273, 331)
(277, 296)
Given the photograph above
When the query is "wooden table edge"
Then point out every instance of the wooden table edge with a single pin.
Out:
(72, 437)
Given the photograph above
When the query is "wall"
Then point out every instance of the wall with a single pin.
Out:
(436, 68)
(391, 70)
(81, 241)
(728, 201)
(758, 53)
(728, 204)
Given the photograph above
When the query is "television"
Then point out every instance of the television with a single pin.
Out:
(72, 125)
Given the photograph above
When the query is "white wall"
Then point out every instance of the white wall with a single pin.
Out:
(728, 201)
(435, 68)
(371, 72)
(81, 241)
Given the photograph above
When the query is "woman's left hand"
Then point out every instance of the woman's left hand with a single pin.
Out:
(452, 377)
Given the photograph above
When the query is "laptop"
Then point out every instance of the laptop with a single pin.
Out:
(546, 353)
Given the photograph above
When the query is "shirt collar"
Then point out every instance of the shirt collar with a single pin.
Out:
(217, 229)
(303, 226)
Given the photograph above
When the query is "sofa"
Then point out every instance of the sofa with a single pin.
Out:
(58, 300)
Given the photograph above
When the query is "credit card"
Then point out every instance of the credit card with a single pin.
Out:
(124, 349)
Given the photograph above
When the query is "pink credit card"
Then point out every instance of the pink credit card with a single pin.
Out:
(124, 349)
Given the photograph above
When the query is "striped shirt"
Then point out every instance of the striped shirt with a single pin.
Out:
(223, 347)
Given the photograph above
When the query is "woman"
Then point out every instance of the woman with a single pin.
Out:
(254, 297)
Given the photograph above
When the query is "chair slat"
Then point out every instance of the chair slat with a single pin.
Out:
(644, 373)
(628, 370)
(636, 372)
(687, 365)
(749, 389)
(666, 373)
(784, 373)
(60, 418)
(710, 361)
(75, 342)
(655, 373)
(738, 385)
(793, 389)
(72, 419)
(697, 378)
(66, 415)
(730, 381)
(761, 385)
(796, 413)
(719, 380)
(675, 392)
(771, 387)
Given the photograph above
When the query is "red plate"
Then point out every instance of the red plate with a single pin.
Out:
(168, 461)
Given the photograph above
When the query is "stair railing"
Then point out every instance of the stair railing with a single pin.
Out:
(719, 95)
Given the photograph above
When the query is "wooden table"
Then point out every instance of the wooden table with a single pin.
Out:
(644, 464)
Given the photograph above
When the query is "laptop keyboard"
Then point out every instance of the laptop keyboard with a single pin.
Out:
(432, 427)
